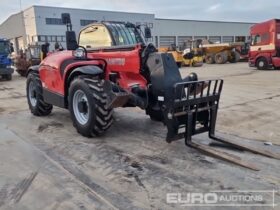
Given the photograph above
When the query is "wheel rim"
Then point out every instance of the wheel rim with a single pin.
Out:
(32, 94)
(261, 64)
(80, 107)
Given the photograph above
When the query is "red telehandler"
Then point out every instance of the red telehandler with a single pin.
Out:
(112, 66)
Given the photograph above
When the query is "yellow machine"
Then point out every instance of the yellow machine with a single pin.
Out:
(177, 54)
(221, 53)
(193, 54)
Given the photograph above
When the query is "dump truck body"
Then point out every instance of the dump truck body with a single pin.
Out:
(221, 52)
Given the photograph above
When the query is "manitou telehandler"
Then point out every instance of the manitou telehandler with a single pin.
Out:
(112, 66)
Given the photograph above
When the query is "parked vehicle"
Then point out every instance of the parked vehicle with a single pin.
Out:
(243, 50)
(221, 53)
(112, 66)
(193, 53)
(177, 54)
(6, 69)
(265, 48)
(30, 57)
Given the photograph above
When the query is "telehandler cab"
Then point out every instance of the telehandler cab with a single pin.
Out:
(112, 66)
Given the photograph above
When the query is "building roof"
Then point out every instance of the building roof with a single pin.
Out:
(210, 21)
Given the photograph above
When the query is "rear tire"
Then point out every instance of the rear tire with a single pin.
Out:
(262, 64)
(34, 92)
(88, 107)
(221, 58)
(209, 59)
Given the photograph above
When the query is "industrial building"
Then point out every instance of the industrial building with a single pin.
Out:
(40, 24)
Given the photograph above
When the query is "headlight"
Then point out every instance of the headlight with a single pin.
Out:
(79, 53)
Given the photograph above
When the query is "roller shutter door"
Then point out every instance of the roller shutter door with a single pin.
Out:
(228, 39)
(182, 39)
(215, 39)
(166, 41)
(200, 37)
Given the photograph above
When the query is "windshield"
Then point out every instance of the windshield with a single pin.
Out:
(4, 47)
(108, 34)
(124, 34)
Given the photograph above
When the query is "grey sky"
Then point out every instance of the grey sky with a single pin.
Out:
(223, 10)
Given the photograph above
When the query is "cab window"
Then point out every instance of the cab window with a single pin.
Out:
(256, 39)
(260, 39)
(4, 48)
(95, 36)
(123, 35)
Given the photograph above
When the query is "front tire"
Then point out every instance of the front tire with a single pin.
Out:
(8, 77)
(88, 107)
(34, 92)
(210, 59)
(262, 64)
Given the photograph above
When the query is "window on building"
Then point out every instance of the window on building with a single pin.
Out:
(87, 22)
(95, 36)
(54, 21)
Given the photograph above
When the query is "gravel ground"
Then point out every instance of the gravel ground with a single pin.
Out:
(45, 164)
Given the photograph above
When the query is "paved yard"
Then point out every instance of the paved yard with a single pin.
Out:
(46, 165)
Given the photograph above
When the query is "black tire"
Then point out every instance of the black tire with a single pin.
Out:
(262, 64)
(22, 73)
(39, 108)
(8, 77)
(179, 64)
(100, 117)
(235, 57)
(221, 58)
(209, 59)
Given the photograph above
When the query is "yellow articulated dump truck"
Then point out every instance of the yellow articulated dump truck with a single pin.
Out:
(221, 53)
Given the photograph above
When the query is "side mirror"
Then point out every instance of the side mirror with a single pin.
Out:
(148, 33)
(66, 18)
(71, 41)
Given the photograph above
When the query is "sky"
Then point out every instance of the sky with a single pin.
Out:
(219, 10)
